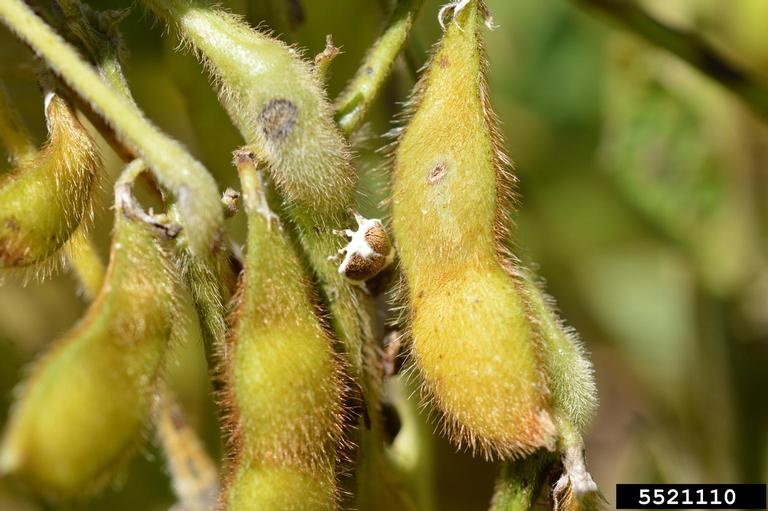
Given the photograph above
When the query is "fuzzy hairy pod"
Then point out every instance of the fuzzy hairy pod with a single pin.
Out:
(264, 487)
(46, 197)
(356, 99)
(471, 337)
(280, 108)
(570, 374)
(83, 407)
(283, 377)
(193, 188)
(274, 100)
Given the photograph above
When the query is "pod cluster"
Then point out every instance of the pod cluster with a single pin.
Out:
(297, 371)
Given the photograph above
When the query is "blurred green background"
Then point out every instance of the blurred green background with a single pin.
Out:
(640, 198)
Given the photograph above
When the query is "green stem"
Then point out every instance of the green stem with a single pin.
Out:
(13, 131)
(353, 104)
(380, 484)
(97, 34)
(195, 190)
(689, 47)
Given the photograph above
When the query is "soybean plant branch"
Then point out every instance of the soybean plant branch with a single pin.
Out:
(689, 47)
(195, 190)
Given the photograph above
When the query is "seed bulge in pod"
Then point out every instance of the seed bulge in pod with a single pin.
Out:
(45, 198)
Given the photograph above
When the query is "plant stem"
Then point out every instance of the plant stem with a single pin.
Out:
(193, 473)
(96, 34)
(688, 46)
(412, 450)
(13, 131)
(323, 60)
(352, 105)
(195, 190)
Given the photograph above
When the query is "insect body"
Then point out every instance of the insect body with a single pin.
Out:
(368, 252)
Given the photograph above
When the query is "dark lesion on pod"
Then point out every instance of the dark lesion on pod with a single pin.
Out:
(278, 118)
(437, 172)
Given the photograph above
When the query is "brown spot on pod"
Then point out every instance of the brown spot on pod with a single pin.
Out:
(278, 118)
(437, 172)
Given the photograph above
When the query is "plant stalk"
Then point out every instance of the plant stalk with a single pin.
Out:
(195, 190)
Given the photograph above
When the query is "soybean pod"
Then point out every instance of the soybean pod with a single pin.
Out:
(472, 341)
(84, 405)
(570, 374)
(48, 195)
(284, 383)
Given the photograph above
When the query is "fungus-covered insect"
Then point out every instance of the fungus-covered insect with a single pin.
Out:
(368, 252)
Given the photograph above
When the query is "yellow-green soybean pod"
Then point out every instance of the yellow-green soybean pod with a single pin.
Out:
(283, 377)
(46, 197)
(472, 340)
(85, 402)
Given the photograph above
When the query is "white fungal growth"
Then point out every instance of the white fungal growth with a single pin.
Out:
(575, 479)
(368, 252)
(357, 243)
(456, 7)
